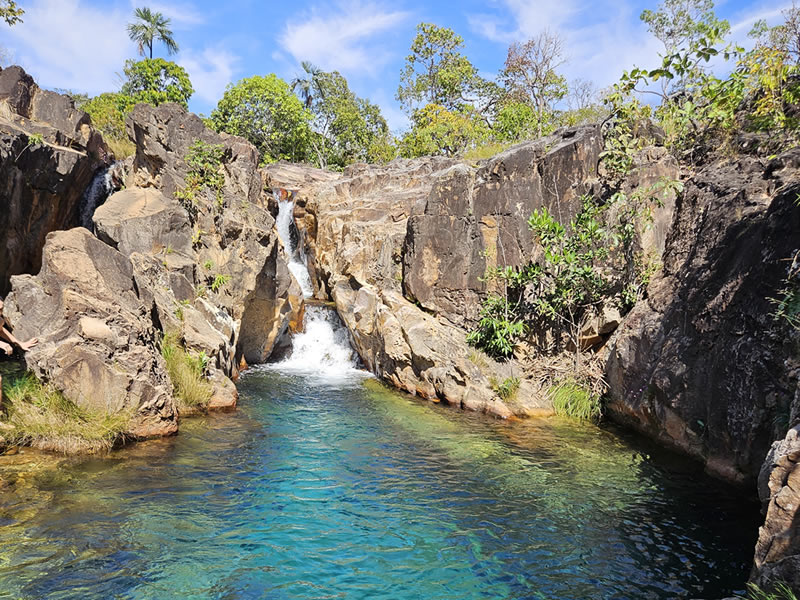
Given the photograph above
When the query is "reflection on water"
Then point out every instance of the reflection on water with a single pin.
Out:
(357, 492)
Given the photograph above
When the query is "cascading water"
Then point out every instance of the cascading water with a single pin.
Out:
(98, 191)
(297, 259)
(323, 349)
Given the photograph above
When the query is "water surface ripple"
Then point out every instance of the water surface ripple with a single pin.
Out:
(353, 491)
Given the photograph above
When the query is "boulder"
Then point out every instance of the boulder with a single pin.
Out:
(423, 356)
(97, 343)
(777, 557)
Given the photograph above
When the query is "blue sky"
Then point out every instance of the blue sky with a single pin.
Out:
(82, 44)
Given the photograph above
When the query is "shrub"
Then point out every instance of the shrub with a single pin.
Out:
(192, 389)
(42, 417)
(572, 398)
(205, 173)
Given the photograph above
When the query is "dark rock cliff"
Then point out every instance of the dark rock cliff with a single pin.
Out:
(41, 184)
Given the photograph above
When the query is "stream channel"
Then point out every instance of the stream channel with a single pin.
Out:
(326, 484)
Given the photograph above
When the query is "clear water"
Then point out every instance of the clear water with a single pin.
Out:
(353, 491)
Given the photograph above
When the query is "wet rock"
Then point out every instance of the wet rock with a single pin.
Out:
(97, 343)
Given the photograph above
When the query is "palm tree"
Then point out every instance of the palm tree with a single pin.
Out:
(308, 86)
(149, 26)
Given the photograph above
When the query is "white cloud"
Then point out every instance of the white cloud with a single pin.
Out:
(342, 39)
(210, 71)
(601, 39)
(70, 44)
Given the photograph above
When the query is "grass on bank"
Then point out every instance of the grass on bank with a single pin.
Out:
(782, 592)
(122, 148)
(38, 415)
(192, 390)
(571, 398)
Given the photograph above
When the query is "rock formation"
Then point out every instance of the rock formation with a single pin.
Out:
(702, 365)
(41, 182)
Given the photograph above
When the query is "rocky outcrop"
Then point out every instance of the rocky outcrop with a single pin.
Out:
(42, 183)
(239, 262)
(777, 557)
(96, 340)
(477, 219)
(402, 249)
(702, 365)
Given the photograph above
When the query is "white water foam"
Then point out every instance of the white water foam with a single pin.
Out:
(322, 352)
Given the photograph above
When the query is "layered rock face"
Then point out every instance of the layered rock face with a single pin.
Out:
(41, 184)
(702, 365)
(777, 556)
(476, 219)
(96, 340)
(402, 249)
(231, 235)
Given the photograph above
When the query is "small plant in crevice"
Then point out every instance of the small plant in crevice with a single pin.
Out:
(187, 374)
(34, 139)
(219, 282)
(782, 592)
(787, 304)
(205, 162)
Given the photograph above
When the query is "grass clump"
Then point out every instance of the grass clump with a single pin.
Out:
(121, 148)
(782, 592)
(572, 398)
(39, 415)
(506, 389)
(192, 390)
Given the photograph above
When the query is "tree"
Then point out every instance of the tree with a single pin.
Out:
(10, 12)
(308, 85)
(437, 130)
(436, 72)
(347, 128)
(264, 111)
(530, 74)
(681, 23)
(155, 80)
(151, 26)
(108, 112)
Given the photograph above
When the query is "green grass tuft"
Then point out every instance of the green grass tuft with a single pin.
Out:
(192, 389)
(782, 592)
(507, 389)
(39, 415)
(571, 398)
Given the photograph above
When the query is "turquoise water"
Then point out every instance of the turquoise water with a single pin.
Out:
(352, 491)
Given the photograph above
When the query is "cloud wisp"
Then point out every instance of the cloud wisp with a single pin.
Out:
(210, 71)
(345, 38)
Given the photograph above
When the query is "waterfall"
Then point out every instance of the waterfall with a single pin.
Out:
(297, 259)
(323, 350)
(98, 191)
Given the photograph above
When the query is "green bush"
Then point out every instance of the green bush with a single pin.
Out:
(506, 389)
(205, 173)
(782, 592)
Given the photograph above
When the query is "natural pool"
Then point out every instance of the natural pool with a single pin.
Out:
(343, 489)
